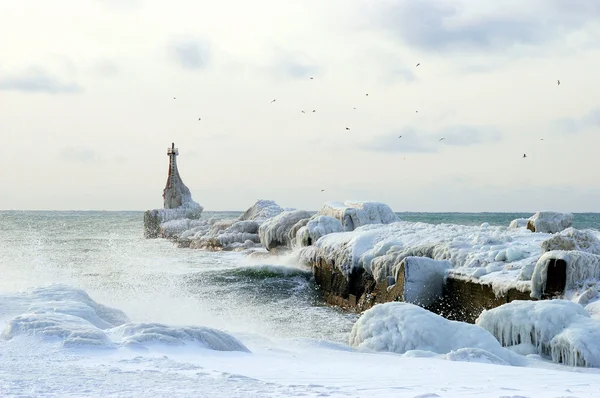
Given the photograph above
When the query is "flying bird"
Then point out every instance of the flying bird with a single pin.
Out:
(314, 110)
(322, 190)
(302, 111)
(558, 82)
(272, 101)
(417, 65)
(353, 108)
(524, 155)
(311, 78)
(441, 139)
(347, 128)
(174, 98)
(199, 118)
(367, 95)
(399, 136)
(416, 111)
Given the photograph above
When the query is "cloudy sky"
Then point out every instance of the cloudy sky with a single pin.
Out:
(87, 109)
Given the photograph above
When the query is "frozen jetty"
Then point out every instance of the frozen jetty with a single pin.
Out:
(179, 207)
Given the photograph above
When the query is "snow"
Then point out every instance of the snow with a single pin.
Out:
(494, 255)
(401, 327)
(353, 214)
(559, 329)
(274, 232)
(317, 227)
(550, 222)
(581, 266)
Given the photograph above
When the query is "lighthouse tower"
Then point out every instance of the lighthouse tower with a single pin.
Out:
(175, 193)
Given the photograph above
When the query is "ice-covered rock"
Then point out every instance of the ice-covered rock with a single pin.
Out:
(549, 222)
(572, 239)
(378, 249)
(580, 266)
(175, 228)
(274, 232)
(317, 227)
(476, 355)
(559, 329)
(423, 279)
(228, 234)
(518, 223)
(401, 327)
(158, 333)
(262, 210)
(353, 214)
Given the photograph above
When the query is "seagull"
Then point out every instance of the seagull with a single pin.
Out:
(302, 111)
(174, 98)
(541, 139)
(367, 95)
(322, 190)
(524, 155)
(441, 139)
(199, 118)
(314, 110)
(347, 128)
(399, 136)
(353, 108)
(417, 65)
(311, 78)
(558, 82)
(272, 101)
(416, 111)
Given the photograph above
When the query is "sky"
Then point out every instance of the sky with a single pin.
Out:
(92, 92)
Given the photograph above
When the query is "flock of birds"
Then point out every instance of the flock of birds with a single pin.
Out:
(400, 136)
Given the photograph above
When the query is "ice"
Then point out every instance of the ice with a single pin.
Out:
(401, 327)
(495, 255)
(317, 227)
(175, 228)
(475, 355)
(70, 330)
(518, 223)
(573, 239)
(559, 329)
(157, 333)
(262, 210)
(581, 266)
(550, 222)
(353, 214)
(423, 279)
(274, 232)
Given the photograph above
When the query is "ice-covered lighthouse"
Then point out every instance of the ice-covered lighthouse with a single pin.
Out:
(177, 200)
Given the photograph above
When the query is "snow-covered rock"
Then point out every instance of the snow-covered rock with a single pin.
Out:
(518, 223)
(317, 227)
(559, 329)
(353, 214)
(549, 222)
(580, 266)
(572, 239)
(274, 232)
(401, 327)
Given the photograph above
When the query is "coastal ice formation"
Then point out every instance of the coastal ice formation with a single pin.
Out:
(423, 279)
(60, 313)
(231, 234)
(317, 227)
(580, 269)
(573, 239)
(353, 214)
(280, 230)
(403, 327)
(549, 222)
(559, 329)
(518, 223)
(492, 254)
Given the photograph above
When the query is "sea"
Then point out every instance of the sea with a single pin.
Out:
(266, 304)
